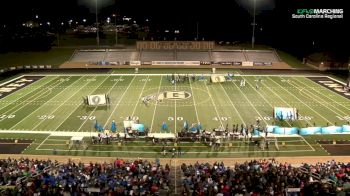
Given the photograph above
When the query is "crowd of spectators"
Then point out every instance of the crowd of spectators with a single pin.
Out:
(266, 177)
(34, 177)
(142, 177)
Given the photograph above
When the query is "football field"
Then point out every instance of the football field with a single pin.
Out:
(54, 103)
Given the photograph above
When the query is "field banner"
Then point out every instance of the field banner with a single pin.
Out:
(310, 130)
(217, 79)
(331, 129)
(284, 113)
(190, 63)
(247, 63)
(346, 128)
(138, 127)
(271, 128)
(135, 63)
(171, 45)
(286, 130)
(97, 100)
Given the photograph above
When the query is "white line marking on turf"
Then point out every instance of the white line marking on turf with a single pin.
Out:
(119, 101)
(45, 104)
(313, 149)
(304, 103)
(309, 122)
(155, 107)
(324, 100)
(11, 80)
(73, 110)
(234, 107)
(63, 102)
(31, 100)
(322, 103)
(138, 100)
(217, 113)
(250, 103)
(37, 148)
(263, 97)
(26, 93)
(194, 101)
(97, 107)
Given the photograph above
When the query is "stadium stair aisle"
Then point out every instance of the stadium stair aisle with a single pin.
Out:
(175, 178)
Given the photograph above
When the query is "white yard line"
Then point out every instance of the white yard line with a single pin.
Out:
(324, 100)
(115, 83)
(26, 93)
(322, 103)
(263, 97)
(45, 105)
(303, 103)
(63, 102)
(313, 149)
(37, 148)
(250, 103)
(73, 110)
(194, 101)
(31, 100)
(234, 107)
(138, 100)
(216, 110)
(309, 122)
(155, 107)
(9, 81)
(119, 101)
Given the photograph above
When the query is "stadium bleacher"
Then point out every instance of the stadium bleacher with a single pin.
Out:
(87, 56)
(193, 56)
(121, 56)
(115, 55)
(225, 56)
(157, 55)
(261, 56)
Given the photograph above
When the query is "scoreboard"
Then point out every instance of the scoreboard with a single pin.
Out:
(170, 45)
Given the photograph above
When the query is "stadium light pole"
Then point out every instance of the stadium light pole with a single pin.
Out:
(253, 34)
(116, 29)
(197, 31)
(97, 29)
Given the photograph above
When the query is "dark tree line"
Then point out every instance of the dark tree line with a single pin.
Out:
(25, 39)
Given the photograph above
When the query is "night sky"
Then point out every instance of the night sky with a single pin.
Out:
(217, 20)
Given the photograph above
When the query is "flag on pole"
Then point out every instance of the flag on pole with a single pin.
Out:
(113, 127)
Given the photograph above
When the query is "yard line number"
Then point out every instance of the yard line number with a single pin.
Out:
(46, 117)
(87, 117)
(222, 118)
(346, 118)
(117, 80)
(4, 116)
(271, 118)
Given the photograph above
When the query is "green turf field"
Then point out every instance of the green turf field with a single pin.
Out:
(55, 104)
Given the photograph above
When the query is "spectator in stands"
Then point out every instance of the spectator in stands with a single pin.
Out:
(28, 177)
